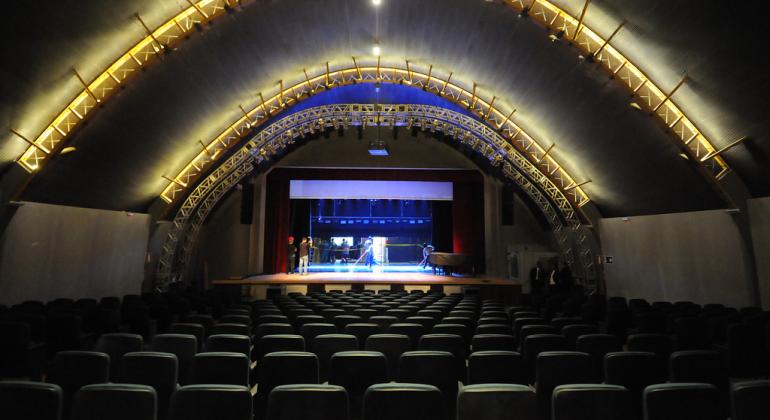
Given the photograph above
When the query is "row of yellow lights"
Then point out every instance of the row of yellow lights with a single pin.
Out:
(262, 111)
(653, 99)
(108, 82)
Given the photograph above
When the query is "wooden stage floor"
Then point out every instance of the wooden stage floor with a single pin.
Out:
(364, 278)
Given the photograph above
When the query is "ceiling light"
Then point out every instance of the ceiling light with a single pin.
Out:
(376, 50)
(376, 2)
(68, 149)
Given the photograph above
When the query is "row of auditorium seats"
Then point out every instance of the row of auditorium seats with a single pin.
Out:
(386, 401)
(457, 338)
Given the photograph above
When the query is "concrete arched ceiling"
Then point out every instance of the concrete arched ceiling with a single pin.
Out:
(152, 128)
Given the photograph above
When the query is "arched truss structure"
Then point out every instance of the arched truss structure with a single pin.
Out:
(166, 36)
(577, 245)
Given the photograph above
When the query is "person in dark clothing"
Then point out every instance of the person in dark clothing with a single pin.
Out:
(304, 253)
(537, 278)
(291, 253)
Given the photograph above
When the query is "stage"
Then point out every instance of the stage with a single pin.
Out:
(255, 286)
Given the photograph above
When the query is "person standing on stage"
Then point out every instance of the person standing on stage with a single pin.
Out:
(426, 251)
(304, 252)
(345, 251)
(369, 250)
(291, 254)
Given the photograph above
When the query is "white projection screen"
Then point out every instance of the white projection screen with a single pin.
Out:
(373, 190)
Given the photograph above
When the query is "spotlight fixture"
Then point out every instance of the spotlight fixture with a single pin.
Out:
(376, 50)
(376, 2)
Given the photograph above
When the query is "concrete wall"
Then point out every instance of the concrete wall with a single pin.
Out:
(696, 256)
(759, 217)
(50, 251)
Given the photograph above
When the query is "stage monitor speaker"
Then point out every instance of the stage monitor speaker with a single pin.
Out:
(247, 204)
(506, 205)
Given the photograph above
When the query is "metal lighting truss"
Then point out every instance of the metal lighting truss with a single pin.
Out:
(650, 97)
(573, 238)
(114, 77)
(307, 86)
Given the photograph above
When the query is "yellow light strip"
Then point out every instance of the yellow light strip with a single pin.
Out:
(107, 83)
(306, 86)
(651, 97)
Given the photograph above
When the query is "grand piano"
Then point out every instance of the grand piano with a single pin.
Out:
(449, 263)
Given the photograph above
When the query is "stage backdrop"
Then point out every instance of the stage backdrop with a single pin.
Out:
(467, 207)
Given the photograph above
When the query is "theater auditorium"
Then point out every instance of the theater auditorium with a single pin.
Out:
(385, 210)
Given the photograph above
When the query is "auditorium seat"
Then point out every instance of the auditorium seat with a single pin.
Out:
(272, 329)
(183, 346)
(561, 322)
(536, 344)
(206, 402)
(411, 330)
(19, 355)
(116, 345)
(234, 319)
(461, 330)
(678, 401)
(284, 368)
(427, 322)
(155, 369)
(635, 371)
(273, 318)
(528, 330)
(451, 343)
(65, 332)
(190, 329)
(22, 400)
(74, 369)
(437, 368)
(342, 321)
(597, 345)
(229, 343)
(591, 402)
(278, 342)
(228, 328)
(432, 313)
(221, 368)
(497, 402)
(362, 330)
(206, 321)
(486, 319)
(403, 401)
(750, 400)
(496, 366)
(114, 402)
(365, 313)
(307, 402)
(483, 342)
(493, 329)
(556, 368)
(572, 331)
(659, 344)
(356, 371)
(702, 366)
(311, 330)
(325, 345)
(691, 333)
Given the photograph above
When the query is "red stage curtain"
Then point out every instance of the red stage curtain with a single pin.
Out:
(277, 214)
(468, 219)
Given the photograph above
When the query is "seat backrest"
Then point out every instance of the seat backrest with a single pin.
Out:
(357, 370)
(634, 370)
(235, 319)
(573, 331)
(195, 330)
(206, 321)
(325, 345)
(183, 346)
(286, 367)
(412, 330)
(279, 342)
(307, 402)
(362, 330)
(231, 328)
(229, 343)
(451, 343)
(114, 402)
(528, 330)
(484, 342)
(496, 401)
(706, 366)
(206, 402)
(504, 329)
(437, 368)
(554, 368)
(116, 345)
(342, 321)
(682, 401)
(496, 366)
(311, 330)
(403, 401)
(74, 369)
(30, 400)
(591, 402)
(750, 400)
(220, 368)
(427, 322)
(155, 369)
(392, 346)
(597, 345)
